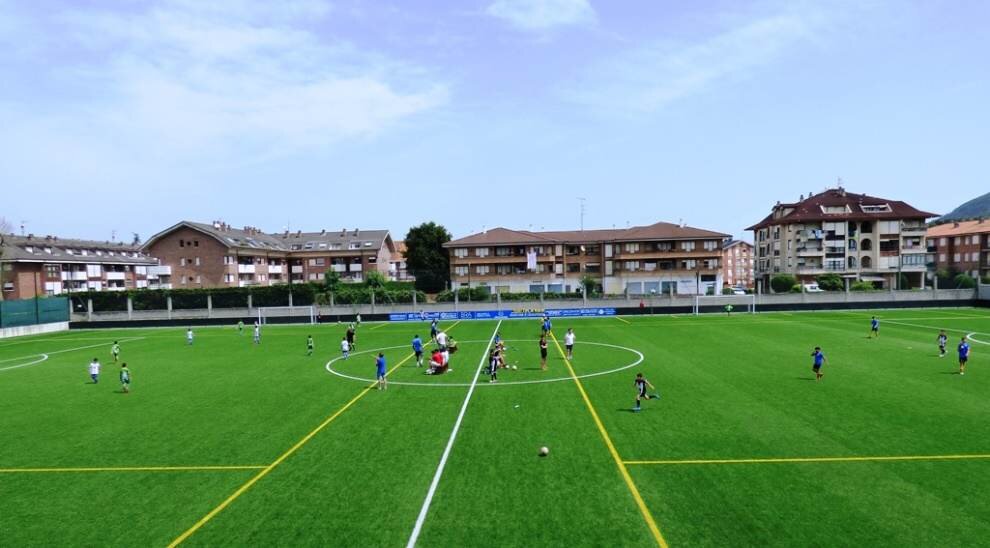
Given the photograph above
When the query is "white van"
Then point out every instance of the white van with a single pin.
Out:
(813, 288)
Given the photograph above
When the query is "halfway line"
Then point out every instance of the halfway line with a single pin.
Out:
(811, 459)
(450, 444)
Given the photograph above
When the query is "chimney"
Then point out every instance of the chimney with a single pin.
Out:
(298, 233)
(955, 225)
(48, 238)
(801, 197)
(286, 235)
(30, 236)
(323, 232)
(355, 232)
(216, 224)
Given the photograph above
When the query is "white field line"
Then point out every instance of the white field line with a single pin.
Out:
(47, 354)
(450, 444)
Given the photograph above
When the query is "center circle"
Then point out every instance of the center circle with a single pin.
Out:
(639, 360)
(974, 339)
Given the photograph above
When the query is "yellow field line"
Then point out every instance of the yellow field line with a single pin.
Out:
(265, 471)
(620, 319)
(128, 469)
(647, 516)
(811, 459)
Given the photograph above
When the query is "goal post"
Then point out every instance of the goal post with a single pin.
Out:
(717, 303)
(296, 314)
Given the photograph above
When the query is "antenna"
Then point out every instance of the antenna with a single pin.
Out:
(22, 227)
(113, 235)
(582, 201)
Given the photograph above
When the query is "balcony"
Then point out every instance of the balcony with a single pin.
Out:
(809, 251)
(77, 275)
(159, 271)
(116, 276)
(245, 269)
(296, 269)
(338, 267)
(274, 269)
(355, 268)
(918, 230)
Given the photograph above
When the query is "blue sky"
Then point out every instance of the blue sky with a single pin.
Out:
(127, 116)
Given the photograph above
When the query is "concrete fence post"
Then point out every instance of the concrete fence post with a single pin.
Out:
(250, 303)
(89, 310)
(456, 299)
(168, 306)
(209, 305)
(130, 307)
(372, 301)
(290, 298)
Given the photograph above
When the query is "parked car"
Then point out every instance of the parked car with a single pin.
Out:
(813, 288)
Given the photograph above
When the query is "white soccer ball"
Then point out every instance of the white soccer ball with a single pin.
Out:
(514, 367)
(544, 451)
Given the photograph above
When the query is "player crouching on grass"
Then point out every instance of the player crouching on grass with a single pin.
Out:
(963, 355)
(641, 385)
(818, 363)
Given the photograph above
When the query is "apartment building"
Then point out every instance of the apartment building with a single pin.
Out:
(219, 255)
(737, 264)
(397, 269)
(660, 258)
(33, 266)
(857, 236)
(961, 247)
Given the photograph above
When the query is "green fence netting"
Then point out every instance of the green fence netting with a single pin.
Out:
(34, 311)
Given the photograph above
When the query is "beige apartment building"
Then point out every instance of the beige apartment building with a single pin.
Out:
(33, 266)
(661, 258)
(737, 264)
(218, 255)
(856, 236)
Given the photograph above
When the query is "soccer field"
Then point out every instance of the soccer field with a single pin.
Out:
(229, 443)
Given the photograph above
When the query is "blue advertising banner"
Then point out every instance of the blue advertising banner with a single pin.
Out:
(502, 314)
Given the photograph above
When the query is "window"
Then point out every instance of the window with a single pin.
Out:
(880, 208)
(197, 261)
(631, 266)
(631, 248)
(941, 257)
(956, 240)
(503, 269)
(943, 241)
(460, 252)
(503, 251)
(373, 259)
(592, 268)
(689, 264)
(955, 258)
(264, 277)
(573, 267)
(852, 245)
(482, 269)
(461, 270)
(317, 262)
(52, 270)
(195, 243)
(665, 246)
(687, 246)
(199, 279)
(481, 252)
(182, 261)
(712, 245)
(182, 243)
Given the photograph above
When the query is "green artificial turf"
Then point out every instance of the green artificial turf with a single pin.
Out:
(732, 388)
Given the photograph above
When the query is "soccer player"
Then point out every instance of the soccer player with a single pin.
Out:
(818, 363)
(942, 340)
(309, 345)
(115, 351)
(728, 310)
(569, 343)
(94, 370)
(441, 339)
(641, 384)
(350, 336)
(434, 329)
(874, 327)
(345, 347)
(257, 334)
(189, 336)
(125, 378)
(543, 352)
(380, 374)
(493, 365)
(963, 355)
(417, 346)
(240, 327)
(547, 326)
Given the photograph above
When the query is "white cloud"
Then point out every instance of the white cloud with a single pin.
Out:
(541, 15)
(650, 78)
(222, 79)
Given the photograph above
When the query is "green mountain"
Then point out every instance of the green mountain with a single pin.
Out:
(974, 209)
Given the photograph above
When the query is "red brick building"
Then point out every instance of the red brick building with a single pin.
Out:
(737, 264)
(49, 265)
(962, 247)
(219, 255)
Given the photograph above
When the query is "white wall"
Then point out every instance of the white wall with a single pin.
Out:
(33, 329)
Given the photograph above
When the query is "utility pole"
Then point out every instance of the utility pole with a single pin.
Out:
(582, 200)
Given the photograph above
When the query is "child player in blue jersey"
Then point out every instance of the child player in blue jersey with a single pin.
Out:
(963, 355)
(547, 326)
(380, 372)
(417, 346)
(874, 327)
(818, 363)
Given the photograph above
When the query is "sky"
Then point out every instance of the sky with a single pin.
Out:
(125, 116)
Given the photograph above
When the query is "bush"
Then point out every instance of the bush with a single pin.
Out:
(782, 283)
(963, 281)
(862, 285)
(830, 282)
(796, 289)
(727, 291)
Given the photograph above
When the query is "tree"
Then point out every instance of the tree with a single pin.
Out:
(426, 259)
(830, 282)
(963, 281)
(331, 283)
(589, 283)
(5, 228)
(375, 281)
(783, 283)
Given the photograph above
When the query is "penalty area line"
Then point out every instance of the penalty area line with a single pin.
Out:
(129, 469)
(418, 527)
